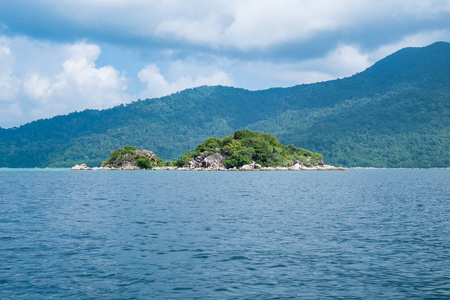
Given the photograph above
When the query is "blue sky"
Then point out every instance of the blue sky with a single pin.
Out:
(58, 56)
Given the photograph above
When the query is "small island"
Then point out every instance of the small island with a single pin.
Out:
(244, 151)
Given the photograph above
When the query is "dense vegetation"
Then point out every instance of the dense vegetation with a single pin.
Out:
(394, 114)
(245, 147)
(129, 155)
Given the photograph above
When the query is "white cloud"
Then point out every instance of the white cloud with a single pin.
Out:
(261, 24)
(422, 9)
(37, 88)
(79, 85)
(280, 75)
(9, 84)
(343, 61)
(199, 31)
(236, 24)
(419, 39)
(157, 85)
(70, 82)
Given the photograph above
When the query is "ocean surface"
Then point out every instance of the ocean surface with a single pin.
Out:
(359, 234)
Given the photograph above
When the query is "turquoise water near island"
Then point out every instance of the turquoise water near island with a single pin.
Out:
(359, 234)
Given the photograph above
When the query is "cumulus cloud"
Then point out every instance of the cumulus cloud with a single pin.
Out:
(243, 25)
(9, 84)
(261, 24)
(72, 83)
(158, 85)
(79, 84)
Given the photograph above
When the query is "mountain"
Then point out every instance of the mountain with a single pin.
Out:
(394, 114)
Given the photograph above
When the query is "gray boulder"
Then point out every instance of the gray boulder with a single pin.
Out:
(210, 162)
(252, 166)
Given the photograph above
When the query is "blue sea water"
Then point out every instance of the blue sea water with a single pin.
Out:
(360, 234)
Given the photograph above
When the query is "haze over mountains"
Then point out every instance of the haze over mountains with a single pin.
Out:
(394, 114)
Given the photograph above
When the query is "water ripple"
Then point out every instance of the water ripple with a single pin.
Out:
(362, 234)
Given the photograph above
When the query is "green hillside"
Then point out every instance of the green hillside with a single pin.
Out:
(394, 114)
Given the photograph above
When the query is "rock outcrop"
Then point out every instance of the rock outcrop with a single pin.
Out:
(84, 167)
(252, 166)
(207, 161)
(147, 153)
(80, 167)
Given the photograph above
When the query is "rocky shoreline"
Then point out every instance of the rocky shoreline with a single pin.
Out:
(250, 167)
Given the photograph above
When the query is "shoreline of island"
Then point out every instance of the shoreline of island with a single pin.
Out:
(245, 150)
(250, 167)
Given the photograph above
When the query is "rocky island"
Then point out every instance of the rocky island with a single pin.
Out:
(128, 158)
(244, 151)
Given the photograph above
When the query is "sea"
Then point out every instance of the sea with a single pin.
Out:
(357, 234)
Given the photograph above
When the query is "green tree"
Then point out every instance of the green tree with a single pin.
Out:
(144, 162)
(236, 160)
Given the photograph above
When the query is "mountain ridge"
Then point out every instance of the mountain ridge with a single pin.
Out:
(403, 95)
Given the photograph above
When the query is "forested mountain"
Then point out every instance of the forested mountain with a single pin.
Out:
(394, 114)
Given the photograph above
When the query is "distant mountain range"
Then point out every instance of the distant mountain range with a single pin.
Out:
(394, 114)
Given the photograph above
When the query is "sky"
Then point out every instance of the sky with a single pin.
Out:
(60, 56)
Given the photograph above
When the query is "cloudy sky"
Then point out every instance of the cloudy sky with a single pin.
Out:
(58, 56)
